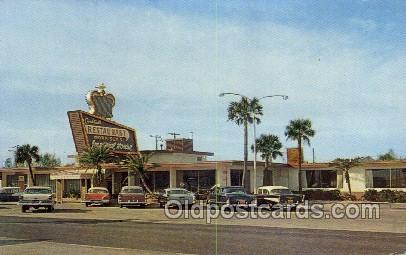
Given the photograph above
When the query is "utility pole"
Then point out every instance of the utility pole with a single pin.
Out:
(192, 133)
(157, 137)
(174, 135)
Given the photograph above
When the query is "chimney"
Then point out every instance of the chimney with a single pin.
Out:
(293, 156)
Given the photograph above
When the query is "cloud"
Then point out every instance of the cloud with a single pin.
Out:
(367, 25)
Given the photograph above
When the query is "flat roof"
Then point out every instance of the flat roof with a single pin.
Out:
(203, 153)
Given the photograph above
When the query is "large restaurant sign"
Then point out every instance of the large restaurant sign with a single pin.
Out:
(91, 129)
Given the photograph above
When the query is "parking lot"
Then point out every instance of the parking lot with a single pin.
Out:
(392, 217)
(76, 229)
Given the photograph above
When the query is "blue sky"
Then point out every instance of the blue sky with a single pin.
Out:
(342, 63)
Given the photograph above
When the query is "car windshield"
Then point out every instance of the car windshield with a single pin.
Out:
(133, 190)
(98, 191)
(239, 190)
(282, 191)
(177, 191)
(37, 191)
(9, 191)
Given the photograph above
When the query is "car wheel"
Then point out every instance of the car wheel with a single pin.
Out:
(23, 209)
(87, 204)
(120, 205)
(142, 206)
(50, 209)
(162, 205)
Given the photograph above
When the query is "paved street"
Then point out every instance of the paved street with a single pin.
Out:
(147, 238)
(74, 229)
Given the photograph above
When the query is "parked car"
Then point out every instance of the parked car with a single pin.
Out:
(97, 196)
(9, 194)
(230, 195)
(131, 196)
(37, 197)
(183, 196)
(278, 197)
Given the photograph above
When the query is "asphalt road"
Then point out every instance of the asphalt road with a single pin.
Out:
(197, 239)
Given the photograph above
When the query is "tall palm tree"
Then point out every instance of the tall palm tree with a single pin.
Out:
(242, 113)
(138, 165)
(26, 154)
(300, 130)
(270, 148)
(345, 164)
(95, 156)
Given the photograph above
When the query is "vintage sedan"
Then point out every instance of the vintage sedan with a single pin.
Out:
(9, 194)
(37, 197)
(131, 196)
(231, 196)
(278, 197)
(183, 196)
(97, 196)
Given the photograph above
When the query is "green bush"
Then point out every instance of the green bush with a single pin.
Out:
(371, 195)
(385, 195)
(323, 195)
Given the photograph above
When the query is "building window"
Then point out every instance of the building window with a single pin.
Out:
(157, 180)
(385, 178)
(44, 180)
(196, 180)
(398, 178)
(71, 189)
(12, 180)
(321, 178)
(236, 178)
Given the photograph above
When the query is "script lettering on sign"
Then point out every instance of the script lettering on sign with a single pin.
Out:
(89, 130)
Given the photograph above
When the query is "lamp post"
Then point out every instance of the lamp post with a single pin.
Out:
(284, 97)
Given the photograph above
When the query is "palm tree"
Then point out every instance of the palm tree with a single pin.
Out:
(345, 165)
(26, 154)
(94, 157)
(300, 130)
(138, 165)
(242, 113)
(269, 146)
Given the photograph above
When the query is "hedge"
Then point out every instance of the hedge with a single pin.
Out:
(385, 195)
(323, 195)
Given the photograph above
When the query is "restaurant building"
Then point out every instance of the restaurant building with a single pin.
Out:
(179, 165)
(194, 172)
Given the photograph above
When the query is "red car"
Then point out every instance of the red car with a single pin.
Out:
(131, 196)
(97, 196)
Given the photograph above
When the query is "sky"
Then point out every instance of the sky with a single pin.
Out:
(342, 64)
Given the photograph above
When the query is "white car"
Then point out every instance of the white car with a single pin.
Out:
(37, 197)
(278, 197)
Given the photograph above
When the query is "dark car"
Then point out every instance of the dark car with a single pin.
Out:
(9, 194)
(182, 196)
(230, 195)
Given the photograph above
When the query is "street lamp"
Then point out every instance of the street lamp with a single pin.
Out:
(284, 97)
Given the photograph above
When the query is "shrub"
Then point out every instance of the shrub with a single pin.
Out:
(385, 195)
(371, 195)
(348, 197)
(323, 195)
